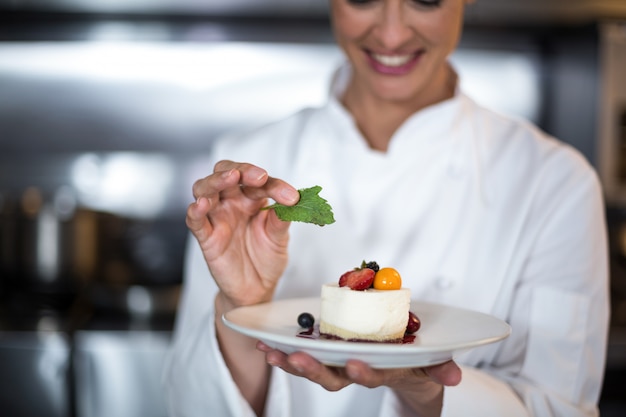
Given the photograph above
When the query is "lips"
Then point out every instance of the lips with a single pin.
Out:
(393, 64)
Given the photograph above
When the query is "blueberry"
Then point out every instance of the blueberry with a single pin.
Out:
(306, 320)
(373, 265)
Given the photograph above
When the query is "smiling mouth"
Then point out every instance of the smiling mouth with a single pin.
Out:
(392, 60)
(394, 64)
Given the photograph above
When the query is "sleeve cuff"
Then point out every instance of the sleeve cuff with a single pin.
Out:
(198, 381)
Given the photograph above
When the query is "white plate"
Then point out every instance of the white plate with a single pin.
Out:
(445, 333)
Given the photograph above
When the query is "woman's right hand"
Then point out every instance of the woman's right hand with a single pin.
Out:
(244, 247)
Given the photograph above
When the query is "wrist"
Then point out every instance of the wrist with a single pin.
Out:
(223, 304)
(426, 399)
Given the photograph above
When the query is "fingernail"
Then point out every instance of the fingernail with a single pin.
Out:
(352, 372)
(298, 367)
(290, 194)
(258, 173)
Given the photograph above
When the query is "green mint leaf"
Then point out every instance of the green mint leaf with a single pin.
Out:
(311, 208)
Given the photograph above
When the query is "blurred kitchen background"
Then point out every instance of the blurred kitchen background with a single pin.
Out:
(108, 110)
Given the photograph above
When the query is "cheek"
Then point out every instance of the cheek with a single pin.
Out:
(442, 32)
(342, 32)
(348, 25)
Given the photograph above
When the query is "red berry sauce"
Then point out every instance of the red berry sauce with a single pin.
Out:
(314, 333)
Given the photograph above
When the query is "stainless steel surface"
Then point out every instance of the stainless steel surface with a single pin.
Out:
(34, 377)
(223, 7)
(119, 373)
(612, 103)
(102, 373)
(129, 125)
(116, 263)
(176, 98)
(483, 11)
(545, 11)
(150, 96)
(616, 353)
(136, 301)
(57, 245)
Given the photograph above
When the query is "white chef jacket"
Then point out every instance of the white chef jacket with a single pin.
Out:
(476, 210)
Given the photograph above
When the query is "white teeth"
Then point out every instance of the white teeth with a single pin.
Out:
(392, 60)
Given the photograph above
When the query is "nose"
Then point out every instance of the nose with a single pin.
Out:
(393, 30)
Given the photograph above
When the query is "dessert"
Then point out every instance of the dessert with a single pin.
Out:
(367, 304)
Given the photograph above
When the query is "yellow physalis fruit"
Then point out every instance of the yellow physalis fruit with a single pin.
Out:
(387, 279)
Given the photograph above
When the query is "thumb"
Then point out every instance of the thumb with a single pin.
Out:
(447, 373)
(278, 229)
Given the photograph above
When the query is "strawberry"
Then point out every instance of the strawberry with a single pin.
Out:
(357, 279)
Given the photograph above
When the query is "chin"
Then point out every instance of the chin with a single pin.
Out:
(398, 93)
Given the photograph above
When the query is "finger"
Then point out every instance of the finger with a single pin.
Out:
(360, 373)
(210, 186)
(256, 184)
(197, 220)
(273, 188)
(263, 347)
(303, 365)
(229, 179)
(276, 358)
(330, 378)
(250, 175)
(276, 231)
(448, 373)
(280, 360)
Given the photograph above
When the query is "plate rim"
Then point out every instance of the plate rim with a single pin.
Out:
(342, 346)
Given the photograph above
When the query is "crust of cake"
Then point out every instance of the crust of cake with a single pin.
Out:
(329, 329)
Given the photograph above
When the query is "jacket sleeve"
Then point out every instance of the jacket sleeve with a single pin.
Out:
(196, 379)
(553, 363)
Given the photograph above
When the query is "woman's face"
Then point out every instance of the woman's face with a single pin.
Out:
(398, 48)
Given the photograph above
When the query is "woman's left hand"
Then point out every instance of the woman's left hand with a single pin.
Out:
(420, 388)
